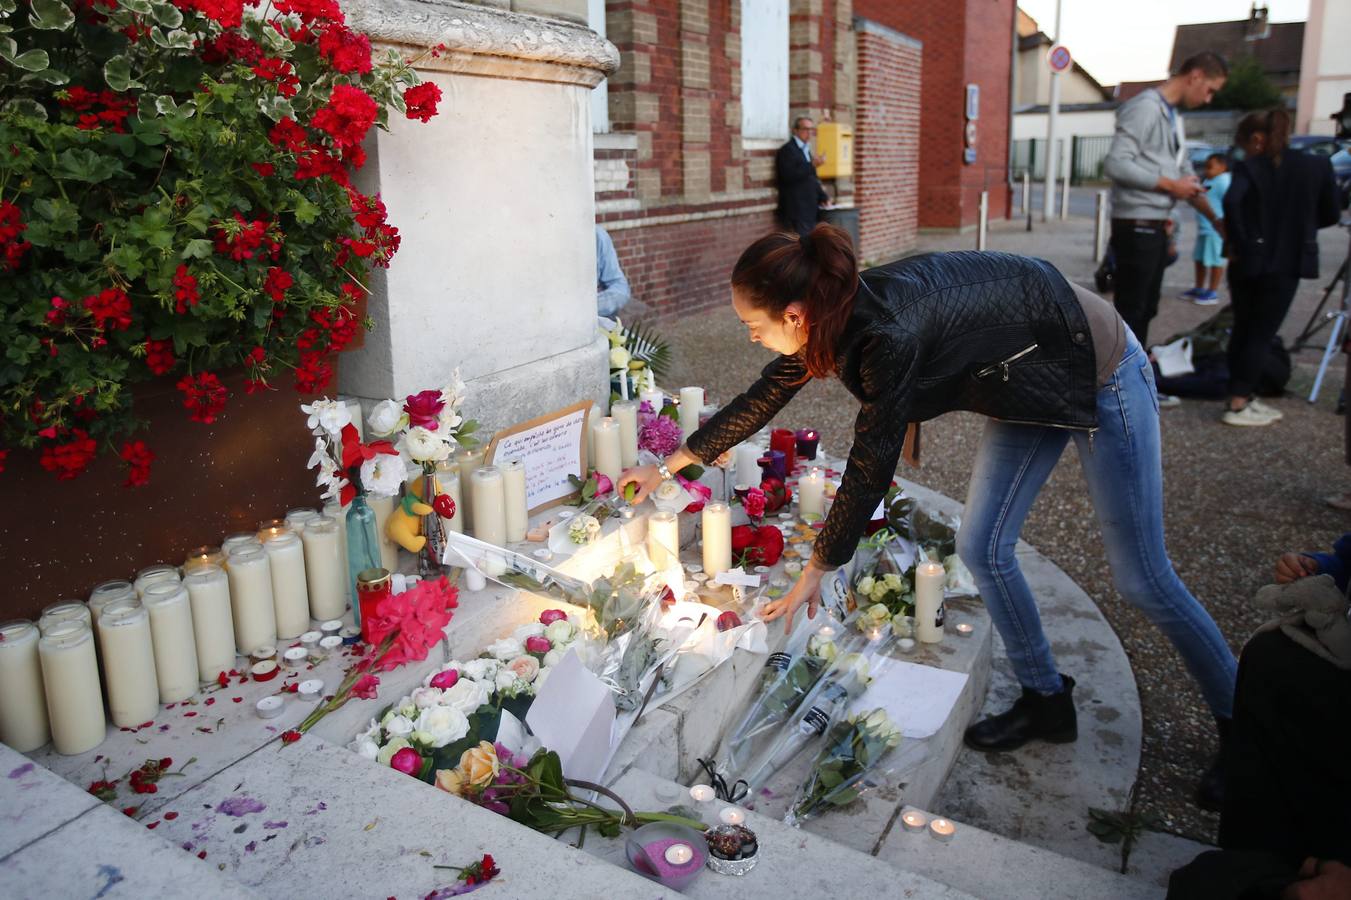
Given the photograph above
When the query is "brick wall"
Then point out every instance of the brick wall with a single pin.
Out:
(887, 141)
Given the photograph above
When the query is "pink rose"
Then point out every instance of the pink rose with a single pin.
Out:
(603, 484)
(550, 616)
(525, 667)
(537, 644)
(446, 680)
(701, 493)
(406, 761)
(424, 408)
(754, 502)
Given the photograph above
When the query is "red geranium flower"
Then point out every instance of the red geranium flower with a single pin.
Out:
(349, 52)
(287, 135)
(68, 459)
(204, 395)
(110, 308)
(185, 290)
(138, 458)
(313, 373)
(276, 283)
(347, 116)
(159, 356)
(420, 101)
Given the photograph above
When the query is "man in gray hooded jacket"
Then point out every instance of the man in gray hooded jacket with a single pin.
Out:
(1150, 171)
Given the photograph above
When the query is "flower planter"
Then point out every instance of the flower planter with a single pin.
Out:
(60, 538)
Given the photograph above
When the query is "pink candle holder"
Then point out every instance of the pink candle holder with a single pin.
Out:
(671, 855)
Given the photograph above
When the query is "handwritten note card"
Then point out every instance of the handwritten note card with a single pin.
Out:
(551, 448)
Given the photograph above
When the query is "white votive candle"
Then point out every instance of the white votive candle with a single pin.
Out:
(235, 541)
(310, 690)
(717, 528)
(153, 575)
(70, 679)
(663, 538)
(129, 663)
(23, 705)
(679, 854)
(65, 611)
(270, 707)
(203, 556)
(965, 629)
(489, 505)
(653, 398)
(172, 635)
(213, 626)
(701, 793)
(513, 496)
(811, 493)
(468, 461)
(251, 605)
(298, 519)
(609, 457)
(448, 483)
(383, 507)
(294, 657)
(626, 414)
(929, 578)
(746, 458)
(732, 815)
(290, 593)
(106, 593)
(325, 577)
(691, 402)
(942, 829)
(914, 820)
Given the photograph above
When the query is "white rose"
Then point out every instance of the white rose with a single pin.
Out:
(330, 415)
(466, 696)
(444, 724)
(619, 358)
(366, 747)
(506, 679)
(386, 418)
(383, 475)
(480, 669)
(561, 632)
(505, 649)
(528, 630)
(552, 658)
(424, 697)
(424, 446)
(387, 752)
(866, 585)
(399, 727)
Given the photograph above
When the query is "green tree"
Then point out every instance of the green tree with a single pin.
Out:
(1247, 87)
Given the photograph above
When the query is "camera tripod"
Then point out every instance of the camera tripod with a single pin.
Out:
(1337, 319)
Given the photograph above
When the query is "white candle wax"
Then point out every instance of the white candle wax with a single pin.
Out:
(203, 556)
(663, 538)
(652, 397)
(129, 663)
(106, 593)
(172, 636)
(513, 497)
(153, 575)
(338, 513)
(942, 829)
(679, 854)
(65, 611)
(448, 482)
(290, 593)
(235, 541)
(701, 793)
(70, 679)
(468, 461)
(297, 519)
(358, 420)
(23, 706)
(609, 456)
(489, 505)
(732, 815)
(811, 492)
(626, 414)
(213, 626)
(929, 578)
(717, 531)
(914, 820)
(746, 458)
(691, 401)
(325, 576)
(389, 551)
(251, 599)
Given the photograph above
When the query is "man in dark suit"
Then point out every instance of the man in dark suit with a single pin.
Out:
(800, 193)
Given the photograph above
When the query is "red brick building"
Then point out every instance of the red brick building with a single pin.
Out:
(706, 93)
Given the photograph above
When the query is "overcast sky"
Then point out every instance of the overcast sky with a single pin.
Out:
(1133, 41)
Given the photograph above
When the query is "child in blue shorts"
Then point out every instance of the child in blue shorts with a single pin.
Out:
(1209, 253)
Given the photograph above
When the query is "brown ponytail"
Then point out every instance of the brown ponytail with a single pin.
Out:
(818, 270)
(1274, 123)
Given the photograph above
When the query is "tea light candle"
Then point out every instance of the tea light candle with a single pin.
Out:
(325, 575)
(746, 459)
(679, 854)
(153, 574)
(255, 617)
(106, 593)
(129, 663)
(23, 705)
(332, 626)
(609, 456)
(350, 634)
(330, 643)
(265, 670)
(942, 830)
(270, 707)
(513, 496)
(701, 793)
(213, 627)
(717, 528)
(489, 506)
(906, 645)
(172, 636)
(626, 414)
(290, 593)
(965, 629)
(310, 690)
(294, 657)
(663, 538)
(691, 402)
(263, 653)
(70, 679)
(807, 441)
(203, 556)
(914, 820)
(448, 483)
(929, 578)
(310, 639)
(383, 507)
(468, 461)
(793, 568)
(732, 815)
(543, 554)
(811, 492)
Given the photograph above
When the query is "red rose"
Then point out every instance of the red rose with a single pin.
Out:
(406, 761)
(767, 546)
(754, 503)
(290, 737)
(424, 409)
(742, 536)
(728, 620)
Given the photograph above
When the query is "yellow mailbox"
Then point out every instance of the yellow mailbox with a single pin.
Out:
(835, 142)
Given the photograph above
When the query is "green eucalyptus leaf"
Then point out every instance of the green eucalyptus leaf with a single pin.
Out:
(32, 60)
(117, 72)
(51, 15)
(167, 14)
(51, 76)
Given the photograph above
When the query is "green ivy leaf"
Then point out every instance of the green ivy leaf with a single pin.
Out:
(167, 15)
(50, 15)
(32, 61)
(117, 72)
(198, 248)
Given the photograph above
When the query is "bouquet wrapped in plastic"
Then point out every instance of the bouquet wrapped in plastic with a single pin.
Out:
(856, 756)
(882, 573)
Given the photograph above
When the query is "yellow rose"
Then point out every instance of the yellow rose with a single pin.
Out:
(450, 781)
(478, 765)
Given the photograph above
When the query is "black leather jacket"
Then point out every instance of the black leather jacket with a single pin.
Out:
(992, 333)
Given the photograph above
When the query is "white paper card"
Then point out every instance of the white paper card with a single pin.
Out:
(736, 576)
(917, 698)
(550, 454)
(573, 715)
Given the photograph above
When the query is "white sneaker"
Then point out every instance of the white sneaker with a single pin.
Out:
(1167, 400)
(1248, 415)
(1265, 410)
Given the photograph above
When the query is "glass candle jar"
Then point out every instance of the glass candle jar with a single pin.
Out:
(153, 575)
(23, 706)
(129, 663)
(213, 626)
(324, 569)
(251, 605)
(290, 593)
(172, 637)
(373, 585)
(70, 679)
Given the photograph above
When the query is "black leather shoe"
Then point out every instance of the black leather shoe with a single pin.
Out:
(1210, 790)
(1032, 717)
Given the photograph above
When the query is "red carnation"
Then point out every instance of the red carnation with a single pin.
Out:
(349, 52)
(347, 116)
(159, 356)
(204, 395)
(420, 101)
(67, 460)
(138, 458)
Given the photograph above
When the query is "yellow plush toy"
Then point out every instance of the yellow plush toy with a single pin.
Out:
(404, 526)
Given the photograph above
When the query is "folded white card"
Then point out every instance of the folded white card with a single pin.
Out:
(573, 716)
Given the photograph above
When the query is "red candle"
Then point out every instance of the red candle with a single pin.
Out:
(373, 585)
(785, 441)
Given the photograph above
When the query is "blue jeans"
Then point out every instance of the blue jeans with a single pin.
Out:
(1122, 466)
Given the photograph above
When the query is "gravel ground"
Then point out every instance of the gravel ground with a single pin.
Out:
(1235, 498)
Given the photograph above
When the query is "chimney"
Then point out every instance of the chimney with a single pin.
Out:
(1257, 27)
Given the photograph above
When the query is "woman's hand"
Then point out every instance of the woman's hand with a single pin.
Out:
(1294, 566)
(646, 477)
(807, 590)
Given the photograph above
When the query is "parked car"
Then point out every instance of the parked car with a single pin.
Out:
(1337, 150)
(1198, 152)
